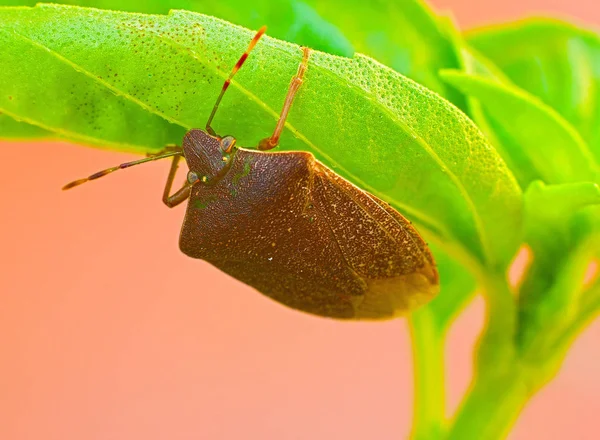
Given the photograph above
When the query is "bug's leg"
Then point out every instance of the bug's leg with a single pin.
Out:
(180, 195)
(273, 140)
(237, 66)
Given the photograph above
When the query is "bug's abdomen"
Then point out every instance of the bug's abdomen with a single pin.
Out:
(287, 226)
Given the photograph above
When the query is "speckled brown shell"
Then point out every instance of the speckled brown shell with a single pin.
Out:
(294, 230)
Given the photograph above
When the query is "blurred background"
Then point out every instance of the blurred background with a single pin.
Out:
(107, 331)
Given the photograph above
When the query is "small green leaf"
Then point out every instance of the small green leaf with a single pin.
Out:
(547, 315)
(555, 61)
(543, 144)
(560, 223)
(549, 210)
(133, 81)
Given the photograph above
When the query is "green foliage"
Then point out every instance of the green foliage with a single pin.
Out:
(562, 229)
(137, 82)
(554, 61)
(535, 139)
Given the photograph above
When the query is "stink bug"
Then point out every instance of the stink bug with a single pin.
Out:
(285, 224)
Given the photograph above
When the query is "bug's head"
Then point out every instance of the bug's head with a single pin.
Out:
(207, 156)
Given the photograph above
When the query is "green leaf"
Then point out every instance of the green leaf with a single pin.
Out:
(558, 220)
(555, 61)
(132, 81)
(541, 144)
(551, 204)
(561, 222)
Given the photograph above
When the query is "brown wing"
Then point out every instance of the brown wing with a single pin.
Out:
(379, 244)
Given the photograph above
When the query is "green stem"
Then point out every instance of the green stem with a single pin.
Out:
(504, 383)
(589, 310)
(497, 392)
(490, 408)
(497, 343)
(429, 416)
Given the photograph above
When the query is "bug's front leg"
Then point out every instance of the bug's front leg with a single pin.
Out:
(273, 140)
(180, 195)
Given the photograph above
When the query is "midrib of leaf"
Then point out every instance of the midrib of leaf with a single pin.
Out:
(182, 51)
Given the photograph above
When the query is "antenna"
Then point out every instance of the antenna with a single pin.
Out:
(168, 152)
(237, 66)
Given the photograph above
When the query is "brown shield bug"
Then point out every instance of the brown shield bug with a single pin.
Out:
(291, 228)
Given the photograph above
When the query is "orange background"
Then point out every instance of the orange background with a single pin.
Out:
(107, 331)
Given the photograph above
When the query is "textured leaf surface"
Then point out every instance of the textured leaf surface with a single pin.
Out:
(555, 61)
(136, 82)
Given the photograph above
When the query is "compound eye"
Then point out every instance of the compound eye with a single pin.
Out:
(227, 143)
(192, 177)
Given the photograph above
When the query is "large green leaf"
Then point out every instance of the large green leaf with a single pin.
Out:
(136, 82)
(555, 61)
